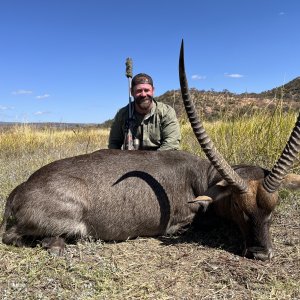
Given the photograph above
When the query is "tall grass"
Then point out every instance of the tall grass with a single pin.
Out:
(26, 138)
(25, 148)
(257, 139)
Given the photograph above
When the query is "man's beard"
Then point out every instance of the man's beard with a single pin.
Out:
(144, 103)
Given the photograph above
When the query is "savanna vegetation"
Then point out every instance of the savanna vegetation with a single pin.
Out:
(205, 264)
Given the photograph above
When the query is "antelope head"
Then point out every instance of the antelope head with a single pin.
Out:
(247, 195)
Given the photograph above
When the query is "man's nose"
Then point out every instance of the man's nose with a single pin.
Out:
(143, 94)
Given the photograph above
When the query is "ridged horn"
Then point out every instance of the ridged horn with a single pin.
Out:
(205, 142)
(290, 152)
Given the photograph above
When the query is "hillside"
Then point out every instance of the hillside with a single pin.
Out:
(290, 90)
(213, 104)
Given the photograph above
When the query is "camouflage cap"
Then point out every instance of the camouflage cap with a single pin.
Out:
(140, 79)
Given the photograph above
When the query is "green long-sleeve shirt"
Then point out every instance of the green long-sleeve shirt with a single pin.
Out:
(159, 130)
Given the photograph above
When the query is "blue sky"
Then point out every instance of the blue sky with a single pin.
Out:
(64, 60)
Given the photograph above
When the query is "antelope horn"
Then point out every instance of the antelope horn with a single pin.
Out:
(272, 182)
(205, 142)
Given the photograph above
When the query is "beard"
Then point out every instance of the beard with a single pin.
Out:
(144, 103)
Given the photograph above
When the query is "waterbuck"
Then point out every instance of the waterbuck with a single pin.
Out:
(116, 195)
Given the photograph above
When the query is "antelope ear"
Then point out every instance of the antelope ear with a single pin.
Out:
(291, 182)
(202, 200)
(215, 193)
(222, 183)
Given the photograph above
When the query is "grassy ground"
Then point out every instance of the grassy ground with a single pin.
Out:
(197, 265)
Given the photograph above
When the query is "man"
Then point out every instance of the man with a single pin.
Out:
(154, 124)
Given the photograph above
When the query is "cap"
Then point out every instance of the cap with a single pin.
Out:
(140, 79)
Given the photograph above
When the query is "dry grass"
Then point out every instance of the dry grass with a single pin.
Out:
(197, 265)
(258, 139)
(24, 149)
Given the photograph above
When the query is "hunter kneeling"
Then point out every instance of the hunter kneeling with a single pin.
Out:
(153, 125)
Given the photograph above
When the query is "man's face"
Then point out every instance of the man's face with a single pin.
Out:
(143, 96)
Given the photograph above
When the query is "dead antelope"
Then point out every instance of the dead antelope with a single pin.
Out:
(116, 195)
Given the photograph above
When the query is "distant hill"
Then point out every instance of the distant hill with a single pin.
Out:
(290, 90)
(46, 125)
(213, 104)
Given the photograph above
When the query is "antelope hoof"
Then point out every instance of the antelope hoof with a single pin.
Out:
(54, 245)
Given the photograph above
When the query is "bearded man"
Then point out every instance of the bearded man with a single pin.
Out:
(153, 124)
